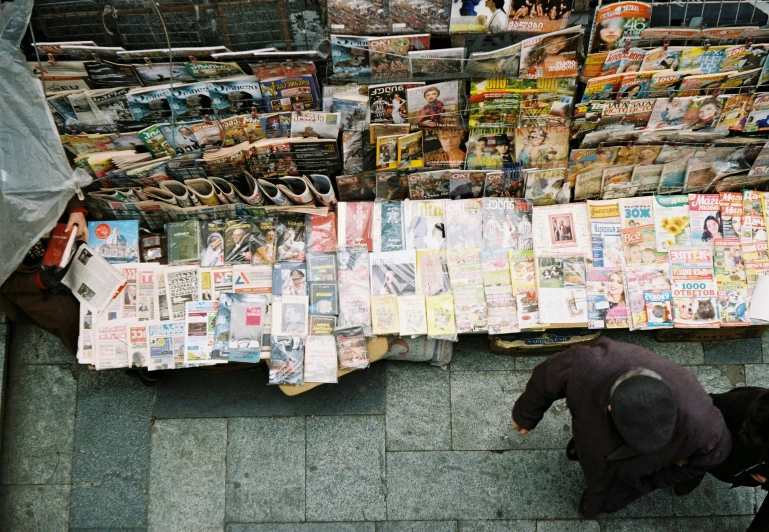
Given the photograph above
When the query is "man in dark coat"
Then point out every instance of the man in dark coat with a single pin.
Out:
(746, 412)
(640, 421)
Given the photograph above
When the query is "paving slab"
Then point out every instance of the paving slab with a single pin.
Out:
(302, 527)
(684, 353)
(111, 504)
(658, 503)
(528, 363)
(568, 526)
(757, 375)
(765, 347)
(417, 526)
(747, 351)
(680, 524)
(187, 474)
(497, 526)
(489, 485)
(265, 470)
(472, 353)
(112, 451)
(418, 407)
(3, 360)
(34, 508)
(32, 345)
(39, 425)
(719, 379)
(714, 497)
(200, 393)
(481, 414)
(346, 468)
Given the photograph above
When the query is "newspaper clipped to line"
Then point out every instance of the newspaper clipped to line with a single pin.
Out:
(93, 280)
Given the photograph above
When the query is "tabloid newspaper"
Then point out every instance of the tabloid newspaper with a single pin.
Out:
(93, 281)
(182, 287)
(200, 322)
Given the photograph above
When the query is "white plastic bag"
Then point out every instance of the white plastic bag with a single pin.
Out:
(36, 181)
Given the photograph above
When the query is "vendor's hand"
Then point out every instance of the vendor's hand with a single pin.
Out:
(758, 478)
(519, 430)
(77, 220)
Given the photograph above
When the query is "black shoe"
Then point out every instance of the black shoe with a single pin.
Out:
(687, 486)
(147, 378)
(571, 451)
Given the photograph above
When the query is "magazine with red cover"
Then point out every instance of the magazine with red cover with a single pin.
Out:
(58, 252)
(354, 224)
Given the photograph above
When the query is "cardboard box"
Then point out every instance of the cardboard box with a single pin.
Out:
(542, 342)
(710, 335)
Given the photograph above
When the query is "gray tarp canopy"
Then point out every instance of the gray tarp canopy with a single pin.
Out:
(36, 182)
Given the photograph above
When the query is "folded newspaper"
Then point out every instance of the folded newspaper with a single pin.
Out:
(93, 280)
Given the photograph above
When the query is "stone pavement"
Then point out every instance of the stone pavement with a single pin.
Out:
(399, 447)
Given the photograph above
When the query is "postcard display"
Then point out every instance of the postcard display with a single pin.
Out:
(420, 191)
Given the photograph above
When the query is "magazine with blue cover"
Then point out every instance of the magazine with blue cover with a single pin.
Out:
(298, 93)
(117, 241)
(191, 101)
(235, 96)
(239, 332)
(349, 56)
(150, 105)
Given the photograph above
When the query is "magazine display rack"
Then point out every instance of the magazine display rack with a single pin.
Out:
(486, 183)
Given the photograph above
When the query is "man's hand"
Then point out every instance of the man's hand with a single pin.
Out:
(77, 219)
(758, 478)
(519, 430)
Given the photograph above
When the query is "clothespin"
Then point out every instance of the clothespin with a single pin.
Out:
(97, 58)
(193, 59)
(627, 46)
(51, 59)
(707, 45)
(675, 145)
(672, 95)
(148, 60)
(253, 112)
(600, 145)
(298, 112)
(749, 41)
(207, 119)
(665, 44)
(629, 144)
(619, 96)
(715, 93)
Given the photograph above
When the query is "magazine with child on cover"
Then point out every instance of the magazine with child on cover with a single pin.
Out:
(435, 105)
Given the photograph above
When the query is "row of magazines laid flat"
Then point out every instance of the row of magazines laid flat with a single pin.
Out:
(657, 261)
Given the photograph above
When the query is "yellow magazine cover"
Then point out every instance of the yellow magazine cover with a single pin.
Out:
(410, 154)
(384, 314)
(440, 315)
(387, 152)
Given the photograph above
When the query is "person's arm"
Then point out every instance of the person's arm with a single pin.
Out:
(76, 216)
(547, 384)
(705, 458)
